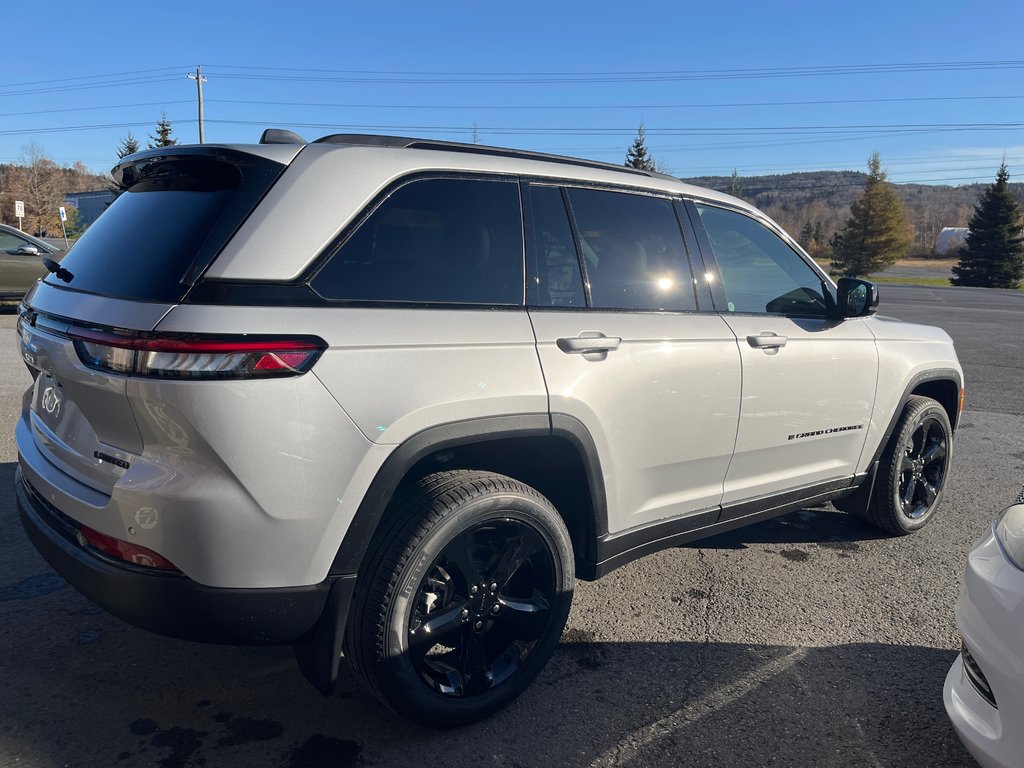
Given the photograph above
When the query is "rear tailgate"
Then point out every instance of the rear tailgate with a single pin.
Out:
(177, 209)
(80, 418)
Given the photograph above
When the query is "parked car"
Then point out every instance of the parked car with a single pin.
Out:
(21, 261)
(390, 397)
(984, 691)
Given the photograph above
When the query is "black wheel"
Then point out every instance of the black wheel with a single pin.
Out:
(913, 469)
(462, 598)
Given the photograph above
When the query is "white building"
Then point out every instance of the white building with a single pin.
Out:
(950, 240)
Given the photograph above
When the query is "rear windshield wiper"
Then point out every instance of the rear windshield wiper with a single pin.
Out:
(58, 270)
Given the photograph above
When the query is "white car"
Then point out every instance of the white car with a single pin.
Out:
(390, 397)
(984, 691)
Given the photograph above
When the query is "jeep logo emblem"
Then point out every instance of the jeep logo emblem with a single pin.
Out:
(51, 401)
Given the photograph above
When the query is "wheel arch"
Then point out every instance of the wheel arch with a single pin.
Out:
(553, 453)
(942, 385)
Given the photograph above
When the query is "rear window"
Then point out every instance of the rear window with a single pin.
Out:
(175, 216)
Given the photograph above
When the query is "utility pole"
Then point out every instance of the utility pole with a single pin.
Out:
(198, 77)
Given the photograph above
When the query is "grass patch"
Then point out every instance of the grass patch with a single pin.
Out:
(931, 282)
(938, 282)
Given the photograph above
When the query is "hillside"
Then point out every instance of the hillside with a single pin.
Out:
(823, 198)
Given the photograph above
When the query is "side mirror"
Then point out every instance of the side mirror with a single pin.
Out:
(28, 250)
(857, 298)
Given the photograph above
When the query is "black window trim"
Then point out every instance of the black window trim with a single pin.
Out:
(708, 255)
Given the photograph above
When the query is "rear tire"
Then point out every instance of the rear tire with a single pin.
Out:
(913, 469)
(462, 598)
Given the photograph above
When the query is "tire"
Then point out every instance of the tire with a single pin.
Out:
(462, 597)
(913, 469)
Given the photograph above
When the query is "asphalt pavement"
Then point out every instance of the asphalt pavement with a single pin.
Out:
(809, 640)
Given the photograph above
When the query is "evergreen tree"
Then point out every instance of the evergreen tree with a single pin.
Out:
(819, 234)
(129, 146)
(994, 254)
(735, 186)
(877, 232)
(807, 235)
(637, 155)
(163, 136)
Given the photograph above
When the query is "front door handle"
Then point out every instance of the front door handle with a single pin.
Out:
(588, 342)
(767, 340)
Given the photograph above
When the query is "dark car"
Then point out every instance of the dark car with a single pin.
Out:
(21, 262)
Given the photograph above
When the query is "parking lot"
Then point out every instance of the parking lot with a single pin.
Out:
(804, 641)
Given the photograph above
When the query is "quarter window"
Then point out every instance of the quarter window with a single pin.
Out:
(760, 273)
(559, 281)
(434, 240)
(633, 251)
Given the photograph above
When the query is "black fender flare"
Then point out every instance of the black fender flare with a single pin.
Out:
(452, 435)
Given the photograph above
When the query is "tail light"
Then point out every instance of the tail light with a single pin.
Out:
(123, 550)
(197, 358)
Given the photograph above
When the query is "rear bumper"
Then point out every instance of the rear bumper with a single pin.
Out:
(171, 603)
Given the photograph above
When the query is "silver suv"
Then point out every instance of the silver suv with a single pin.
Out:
(386, 398)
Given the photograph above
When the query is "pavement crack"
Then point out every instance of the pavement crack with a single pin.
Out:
(704, 619)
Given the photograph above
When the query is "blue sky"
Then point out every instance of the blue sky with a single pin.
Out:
(716, 84)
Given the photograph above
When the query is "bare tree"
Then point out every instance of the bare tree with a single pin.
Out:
(38, 181)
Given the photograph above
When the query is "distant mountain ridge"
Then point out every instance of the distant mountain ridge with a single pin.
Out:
(824, 197)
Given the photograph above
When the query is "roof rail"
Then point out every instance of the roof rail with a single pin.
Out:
(403, 142)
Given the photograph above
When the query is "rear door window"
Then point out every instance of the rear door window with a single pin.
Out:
(434, 240)
(633, 251)
(176, 214)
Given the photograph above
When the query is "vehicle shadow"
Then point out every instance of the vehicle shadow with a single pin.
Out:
(84, 689)
(812, 525)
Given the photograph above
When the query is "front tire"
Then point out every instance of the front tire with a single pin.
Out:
(462, 598)
(913, 469)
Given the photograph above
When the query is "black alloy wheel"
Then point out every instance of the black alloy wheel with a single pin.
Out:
(923, 468)
(481, 608)
(462, 597)
(913, 469)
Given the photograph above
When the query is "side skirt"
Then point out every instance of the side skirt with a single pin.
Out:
(621, 548)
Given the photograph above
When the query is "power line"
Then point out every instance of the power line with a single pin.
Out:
(92, 86)
(533, 78)
(511, 107)
(859, 129)
(89, 77)
(562, 107)
(95, 107)
(69, 128)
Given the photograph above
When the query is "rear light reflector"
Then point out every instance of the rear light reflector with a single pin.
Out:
(123, 550)
(192, 358)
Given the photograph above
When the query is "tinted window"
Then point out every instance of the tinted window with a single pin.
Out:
(434, 240)
(760, 273)
(559, 281)
(11, 243)
(177, 211)
(633, 251)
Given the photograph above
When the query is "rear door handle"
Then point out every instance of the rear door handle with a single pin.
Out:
(587, 342)
(767, 340)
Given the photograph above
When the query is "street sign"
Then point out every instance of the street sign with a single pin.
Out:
(63, 214)
(19, 209)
